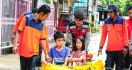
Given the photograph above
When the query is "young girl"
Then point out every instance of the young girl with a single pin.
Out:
(78, 56)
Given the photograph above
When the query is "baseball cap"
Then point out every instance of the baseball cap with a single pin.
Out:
(78, 14)
(112, 8)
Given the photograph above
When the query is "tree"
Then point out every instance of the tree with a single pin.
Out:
(121, 4)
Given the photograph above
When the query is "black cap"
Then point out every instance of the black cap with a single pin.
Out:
(78, 14)
(112, 8)
(129, 7)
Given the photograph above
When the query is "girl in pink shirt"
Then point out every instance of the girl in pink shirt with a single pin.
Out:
(78, 56)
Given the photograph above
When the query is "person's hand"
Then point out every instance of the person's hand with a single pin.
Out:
(44, 62)
(125, 51)
(130, 52)
(70, 59)
(15, 49)
(47, 57)
(99, 51)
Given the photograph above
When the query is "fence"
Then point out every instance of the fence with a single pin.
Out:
(10, 11)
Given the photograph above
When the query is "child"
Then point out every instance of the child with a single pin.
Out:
(59, 53)
(69, 45)
(78, 56)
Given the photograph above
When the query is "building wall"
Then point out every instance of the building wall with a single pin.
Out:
(10, 10)
(0, 22)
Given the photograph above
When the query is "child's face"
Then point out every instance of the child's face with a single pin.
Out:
(59, 42)
(78, 44)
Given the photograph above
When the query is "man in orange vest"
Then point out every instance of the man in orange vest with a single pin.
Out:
(129, 21)
(114, 28)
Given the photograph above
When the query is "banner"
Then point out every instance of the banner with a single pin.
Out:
(94, 65)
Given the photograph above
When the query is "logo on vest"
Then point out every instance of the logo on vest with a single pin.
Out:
(108, 28)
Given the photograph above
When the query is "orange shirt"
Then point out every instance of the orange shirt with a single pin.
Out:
(15, 28)
(117, 34)
(30, 34)
(129, 22)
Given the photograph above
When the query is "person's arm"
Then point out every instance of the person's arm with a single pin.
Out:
(48, 58)
(67, 56)
(87, 39)
(130, 41)
(125, 38)
(103, 38)
(82, 57)
(66, 61)
(69, 35)
(15, 47)
(20, 28)
(125, 34)
(130, 45)
(77, 59)
(43, 43)
(44, 37)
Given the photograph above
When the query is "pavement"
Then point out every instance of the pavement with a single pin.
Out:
(11, 61)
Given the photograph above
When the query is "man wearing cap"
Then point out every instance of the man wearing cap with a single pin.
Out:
(129, 21)
(115, 29)
(78, 28)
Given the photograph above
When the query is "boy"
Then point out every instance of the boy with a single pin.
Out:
(30, 31)
(59, 53)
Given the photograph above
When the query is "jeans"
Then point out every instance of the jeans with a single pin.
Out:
(28, 63)
(114, 57)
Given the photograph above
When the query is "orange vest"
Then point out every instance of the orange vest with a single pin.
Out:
(117, 34)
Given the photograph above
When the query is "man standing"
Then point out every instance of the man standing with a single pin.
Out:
(78, 28)
(115, 29)
(129, 21)
(30, 31)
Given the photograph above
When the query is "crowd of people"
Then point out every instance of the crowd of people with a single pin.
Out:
(31, 38)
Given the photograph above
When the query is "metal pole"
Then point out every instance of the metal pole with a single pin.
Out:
(63, 5)
(87, 8)
(56, 13)
(0, 24)
(15, 11)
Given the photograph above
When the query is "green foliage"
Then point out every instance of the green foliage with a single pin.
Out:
(121, 4)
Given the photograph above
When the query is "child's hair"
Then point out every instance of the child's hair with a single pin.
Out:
(68, 44)
(34, 10)
(58, 35)
(81, 38)
(45, 9)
